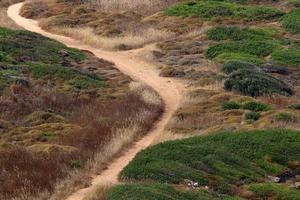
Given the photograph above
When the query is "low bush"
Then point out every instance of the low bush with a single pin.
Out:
(289, 57)
(159, 192)
(256, 84)
(31, 47)
(286, 117)
(243, 57)
(211, 9)
(236, 33)
(291, 22)
(228, 105)
(219, 159)
(255, 106)
(234, 65)
(252, 116)
(257, 48)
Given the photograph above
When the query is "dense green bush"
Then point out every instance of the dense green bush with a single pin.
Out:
(236, 33)
(255, 106)
(290, 57)
(42, 58)
(256, 84)
(228, 105)
(210, 9)
(252, 116)
(244, 57)
(252, 47)
(234, 65)
(226, 158)
(34, 47)
(291, 21)
(159, 192)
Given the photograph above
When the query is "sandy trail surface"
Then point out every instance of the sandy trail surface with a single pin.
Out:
(170, 90)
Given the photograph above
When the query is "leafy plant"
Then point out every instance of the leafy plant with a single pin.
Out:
(234, 65)
(252, 116)
(256, 84)
(291, 22)
(228, 156)
(228, 105)
(255, 106)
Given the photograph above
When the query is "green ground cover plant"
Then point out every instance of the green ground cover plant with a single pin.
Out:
(211, 9)
(219, 159)
(236, 33)
(290, 57)
(274, 191)
(291, 22)
(159, 192)
(234, 65)
(23, 51)
(254, 83)
(250, 47)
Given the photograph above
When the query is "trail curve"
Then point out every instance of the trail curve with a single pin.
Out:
(170, 90)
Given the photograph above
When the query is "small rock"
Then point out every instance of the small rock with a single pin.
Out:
(64, 53)
(273, 179)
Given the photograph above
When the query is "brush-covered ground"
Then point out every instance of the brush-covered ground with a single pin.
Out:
(241, 60)
(61, 110)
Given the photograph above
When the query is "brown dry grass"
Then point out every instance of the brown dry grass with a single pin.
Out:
(129, 41)
(144, 7)
(5, 21)
(107, 128)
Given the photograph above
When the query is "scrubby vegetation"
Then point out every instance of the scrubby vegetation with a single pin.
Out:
(212, 9)
(291, 21)
(158, 192)
(222, 161)
(254, 83)
(60, 107)
(240, 57)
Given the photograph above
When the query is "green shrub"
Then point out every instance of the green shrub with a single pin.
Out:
(256, 84)
(228, 105)
(258, 13)
(252, 116)
(236, 33)
(257, 48)
(274, 191)
(291, 22)
(228, 157)
(35, 48)
(286, 117)
(234, 65)
(290, 57)
(243, 57)
(255, 106)
(86, 82)
(211, 9)
(159, 192)
(295, 106)
(76, 164)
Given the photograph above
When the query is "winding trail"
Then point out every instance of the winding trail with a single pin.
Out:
(170, 90)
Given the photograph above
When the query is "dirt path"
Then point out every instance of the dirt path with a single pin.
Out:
(170, 90)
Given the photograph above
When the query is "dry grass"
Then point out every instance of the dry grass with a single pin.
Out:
(100, 190)
(129, 41)
(5, 21)
(144, 7)
(107, 128)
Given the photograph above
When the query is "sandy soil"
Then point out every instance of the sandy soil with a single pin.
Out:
(128, 62)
